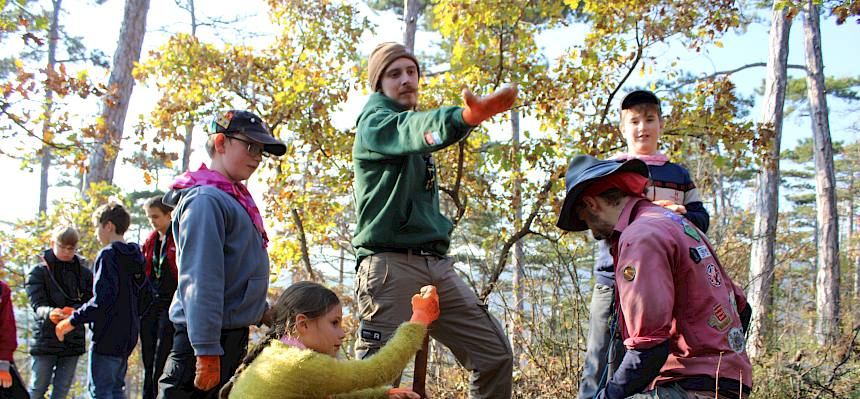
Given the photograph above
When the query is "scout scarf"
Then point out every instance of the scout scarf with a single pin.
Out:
(653, 159)
(208, 177)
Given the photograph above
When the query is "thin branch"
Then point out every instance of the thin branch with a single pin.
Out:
(684, 82)
(509, 243)
(639, 48)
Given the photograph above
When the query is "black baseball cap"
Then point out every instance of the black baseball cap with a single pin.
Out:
(249, 124)
(637, 97)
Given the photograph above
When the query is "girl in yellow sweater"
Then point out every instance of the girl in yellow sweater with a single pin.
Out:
(297, 357)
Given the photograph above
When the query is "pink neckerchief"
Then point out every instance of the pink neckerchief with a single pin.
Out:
(208, 177)
(653, 159)
(290, 341)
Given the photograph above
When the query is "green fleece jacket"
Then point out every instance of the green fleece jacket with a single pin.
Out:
(396, 192)
(287, 372)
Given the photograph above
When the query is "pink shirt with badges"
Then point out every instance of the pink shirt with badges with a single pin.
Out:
(671, 287)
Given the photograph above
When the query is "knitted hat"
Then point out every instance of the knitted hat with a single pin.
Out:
(383, 55)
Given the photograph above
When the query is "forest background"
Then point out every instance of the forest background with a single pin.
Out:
(769, 134)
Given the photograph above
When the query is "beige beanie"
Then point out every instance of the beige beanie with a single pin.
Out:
(383, 55)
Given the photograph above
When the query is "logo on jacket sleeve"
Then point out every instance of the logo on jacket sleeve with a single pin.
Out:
(629, 273)
(714, 276)
(720, 319)
(736, 340)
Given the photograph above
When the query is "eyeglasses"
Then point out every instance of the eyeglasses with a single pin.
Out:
(253, 148)
(70, 248)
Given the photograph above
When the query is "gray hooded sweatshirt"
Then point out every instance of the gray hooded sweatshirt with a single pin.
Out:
(223, 266)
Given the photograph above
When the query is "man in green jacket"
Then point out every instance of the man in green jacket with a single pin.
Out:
(401, 237)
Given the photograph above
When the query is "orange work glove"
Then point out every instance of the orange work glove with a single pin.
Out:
(479, 109)
(425, 306)
(57, 315)
(63, 327)
(668, 204)
(208, 372)
(402, 393)
(5, 376)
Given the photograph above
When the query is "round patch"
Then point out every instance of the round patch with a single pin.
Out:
(714, 276)
(737, 341)
(629, 273)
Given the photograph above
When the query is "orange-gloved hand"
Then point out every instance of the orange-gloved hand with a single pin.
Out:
(5, 376)
(402, 393)
(479, 109)
(668, 204)
(57, 315)
(425, 306)
(63, 327)
(208, 372)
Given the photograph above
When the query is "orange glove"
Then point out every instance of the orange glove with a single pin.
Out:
(5, 376)
(402, 393)
(56, 315)
(479, 109)
(668, 204)
(64, 327)
(425, 306)
(208, 372)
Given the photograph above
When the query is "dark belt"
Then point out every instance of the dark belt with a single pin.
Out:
(409, 251)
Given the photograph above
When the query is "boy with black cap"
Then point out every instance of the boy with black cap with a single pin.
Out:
(401, 237)
(221, 256)
(678, 309)
(671, 187)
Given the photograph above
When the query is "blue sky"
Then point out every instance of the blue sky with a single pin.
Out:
(99, 26)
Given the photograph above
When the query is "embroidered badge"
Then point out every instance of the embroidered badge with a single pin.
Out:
(371, 335)
(737, 341)
(720, 319)
(675, 217)
(629, 273)
(733, 301)
(697, 254)
(714, 275)
(224, 120)
(691, 231)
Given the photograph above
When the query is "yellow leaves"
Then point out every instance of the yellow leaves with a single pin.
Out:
(718, 43)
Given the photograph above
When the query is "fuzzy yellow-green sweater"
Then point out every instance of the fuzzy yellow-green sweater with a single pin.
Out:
(283, 371)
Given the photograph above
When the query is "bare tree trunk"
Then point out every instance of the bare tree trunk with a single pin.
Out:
(186, 151)
(47, 129)
(189, 127)
(303, 242)
(827, 279)
(410, 23)
(767, 191)
(519, 256)
(115, 104)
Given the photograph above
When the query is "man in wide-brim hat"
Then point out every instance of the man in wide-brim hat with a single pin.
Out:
(661, 260)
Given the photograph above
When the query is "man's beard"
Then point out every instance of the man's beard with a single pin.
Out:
(599, 229)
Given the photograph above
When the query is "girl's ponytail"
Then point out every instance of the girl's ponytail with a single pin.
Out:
(252, 354)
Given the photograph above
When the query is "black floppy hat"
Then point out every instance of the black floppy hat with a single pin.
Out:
(581, 173)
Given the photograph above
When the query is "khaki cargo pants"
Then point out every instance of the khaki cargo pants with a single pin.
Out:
(385, 283)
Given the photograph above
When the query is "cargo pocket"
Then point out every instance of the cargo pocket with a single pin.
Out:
(372, 273)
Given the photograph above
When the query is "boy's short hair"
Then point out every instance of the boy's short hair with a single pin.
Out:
(641, 101)
(114, 213)
(157, 203)
(66, 235)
